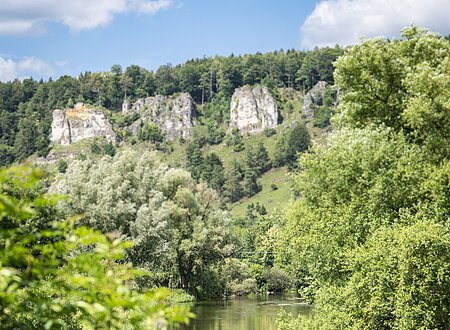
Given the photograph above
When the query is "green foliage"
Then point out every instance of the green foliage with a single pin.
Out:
(324, 109)
(289, 145)
(322, 116)
(61, 166)
(215, 134)
(276, 280)
(150, 132)
(46, 281)
(177, 229)
(317, 66)
(356, 184)
(368, 238)
(236, 140)
(269, 132)
(108, 149)
(233, 190)
(213, 172)
(402, 84)
(177, 296)
(261, 158)
(194, 160)
(95, 148)
(237, 278)
(251, 185)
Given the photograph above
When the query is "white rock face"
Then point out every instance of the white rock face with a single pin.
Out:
(126, 107)
(314, 94)
(253, 109)
(79, 123)
(173, 115)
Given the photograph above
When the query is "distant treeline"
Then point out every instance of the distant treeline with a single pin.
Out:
(26, 106)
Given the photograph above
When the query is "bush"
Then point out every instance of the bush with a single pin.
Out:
(276, 280)
(269, 132)
(237, 278)
(108, 149)
(322, 116)
(61, 166)
(95, 148)
(150, 132)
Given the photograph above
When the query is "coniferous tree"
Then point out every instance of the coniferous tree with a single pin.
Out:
(251, 184)
(239, 168)
(251, 161)
(297, 142)
(280, 156)
(262, 159)
(236, 140)
(194, 160)
(233, 190)
(26, 137)
(212, 172)
(289, 145)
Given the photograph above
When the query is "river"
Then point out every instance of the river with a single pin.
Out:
(256, 312)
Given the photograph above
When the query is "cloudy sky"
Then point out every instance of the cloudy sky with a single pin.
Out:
(49, 38)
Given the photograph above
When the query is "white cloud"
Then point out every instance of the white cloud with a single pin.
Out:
(345, 21)
(149, 7)
(30, 16)
(24, 68)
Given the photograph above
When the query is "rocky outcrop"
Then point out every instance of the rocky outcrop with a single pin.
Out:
(126, 107)
(314, 96)
(253, 109)
(80, 122)
(173, 115)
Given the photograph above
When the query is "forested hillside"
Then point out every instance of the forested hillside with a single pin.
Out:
(26, 106)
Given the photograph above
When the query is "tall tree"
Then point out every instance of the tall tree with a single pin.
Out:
(213, 172)
(233, 190)
(251, 184)
(262, 159)
(194, 160)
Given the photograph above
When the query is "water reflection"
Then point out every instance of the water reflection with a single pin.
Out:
(254, 312)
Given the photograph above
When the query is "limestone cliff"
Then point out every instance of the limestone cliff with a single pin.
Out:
(253, 109)
(173, 115)
(80, 122)
(314, 96)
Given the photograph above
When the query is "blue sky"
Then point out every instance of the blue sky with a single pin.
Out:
(53, 37)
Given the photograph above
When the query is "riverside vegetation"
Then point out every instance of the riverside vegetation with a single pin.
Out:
(365, 237)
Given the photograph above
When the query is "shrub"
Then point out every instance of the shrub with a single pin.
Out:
(269, 132)
(61, 166)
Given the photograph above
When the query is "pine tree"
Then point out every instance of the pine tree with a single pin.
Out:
(236, 140)
(280, 156)
(239, 169)
(298, 141)
(262, 159)
(251, 185)
(194, 160)
(233, 190)
(289, 145)
(26, 137)
(212, 172)
(251, 162)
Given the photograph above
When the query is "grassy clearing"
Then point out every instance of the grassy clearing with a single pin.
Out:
(271, 199)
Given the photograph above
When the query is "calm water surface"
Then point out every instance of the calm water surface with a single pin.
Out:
(257, 312)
